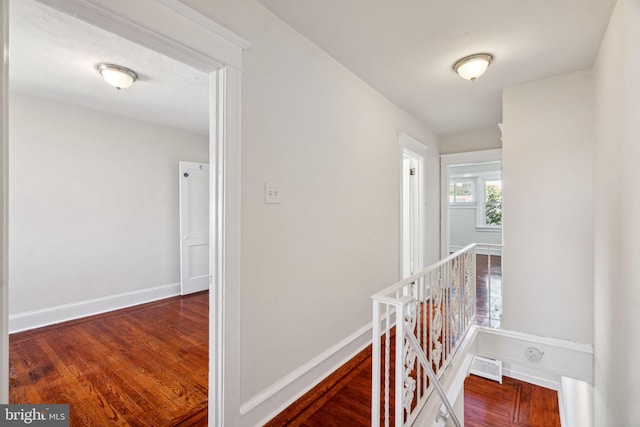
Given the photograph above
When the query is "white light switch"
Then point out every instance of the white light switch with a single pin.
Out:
(271, 193)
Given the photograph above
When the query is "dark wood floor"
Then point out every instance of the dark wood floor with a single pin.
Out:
(148, 365)
(349, 406)
(142, 366)
(486, 404)
(488, 303)
(347, 402)
(512, 403)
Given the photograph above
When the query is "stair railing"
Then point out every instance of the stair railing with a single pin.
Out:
(425, 318)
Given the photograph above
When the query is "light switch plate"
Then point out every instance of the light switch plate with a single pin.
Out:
(271, 193)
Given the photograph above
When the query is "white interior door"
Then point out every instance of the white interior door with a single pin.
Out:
(194, 227)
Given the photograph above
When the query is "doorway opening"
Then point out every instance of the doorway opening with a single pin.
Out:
(475, 204)
(412, 212)
(471, 212)
(176, 32)
(468, 209)
(93, 180)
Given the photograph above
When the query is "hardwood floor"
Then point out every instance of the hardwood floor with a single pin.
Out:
(512, 403)
(350, 406)
(148, 366)
(347, 402)
(488, 303)
(319, 408)
(141, 366)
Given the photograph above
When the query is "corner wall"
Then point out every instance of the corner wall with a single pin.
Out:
(93, 206)
(617, 216)
(547, 207)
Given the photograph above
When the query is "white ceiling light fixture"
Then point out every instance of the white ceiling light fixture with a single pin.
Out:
(473, 66)
(116, 75)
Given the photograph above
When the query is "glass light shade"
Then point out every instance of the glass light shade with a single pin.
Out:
(117, 76)
(472, 67)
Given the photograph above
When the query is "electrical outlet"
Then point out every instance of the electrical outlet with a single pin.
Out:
(271, 193)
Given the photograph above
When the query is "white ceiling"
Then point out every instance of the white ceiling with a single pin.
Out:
(406, 49)
(54, 55)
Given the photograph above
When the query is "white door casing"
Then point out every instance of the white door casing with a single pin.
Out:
(194, 227)
(411, 212)
(412, 205)
(4, 161)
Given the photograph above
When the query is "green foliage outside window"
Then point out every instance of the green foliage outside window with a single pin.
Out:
(494, 203)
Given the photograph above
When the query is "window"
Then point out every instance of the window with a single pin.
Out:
(462, 191)
(491, 208)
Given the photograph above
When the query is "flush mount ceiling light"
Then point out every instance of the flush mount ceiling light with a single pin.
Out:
(116, 75)
(473, 66)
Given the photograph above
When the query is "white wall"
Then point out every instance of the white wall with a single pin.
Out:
(311, 263)
(547, 195)
(93, 203)
(475, 140)
(464, 231)
(617, 214)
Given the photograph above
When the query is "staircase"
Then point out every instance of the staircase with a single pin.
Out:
(428, 329)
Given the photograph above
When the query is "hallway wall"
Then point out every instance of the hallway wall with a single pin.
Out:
(617, 210)
(311, 263)
(548, 155)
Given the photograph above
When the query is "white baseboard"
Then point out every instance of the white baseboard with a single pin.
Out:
(519, 374)
(274, 399)
(51, 315)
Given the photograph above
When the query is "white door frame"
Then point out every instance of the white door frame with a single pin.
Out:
(4, 139)
(418, 151)
(184, 34)
(447, 160)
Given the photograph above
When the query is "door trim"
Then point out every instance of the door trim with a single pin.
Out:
(4, 226)
(417, 150)
(176, 30)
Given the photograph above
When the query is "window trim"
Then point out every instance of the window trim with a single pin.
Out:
(474, 182)
(481, 217)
